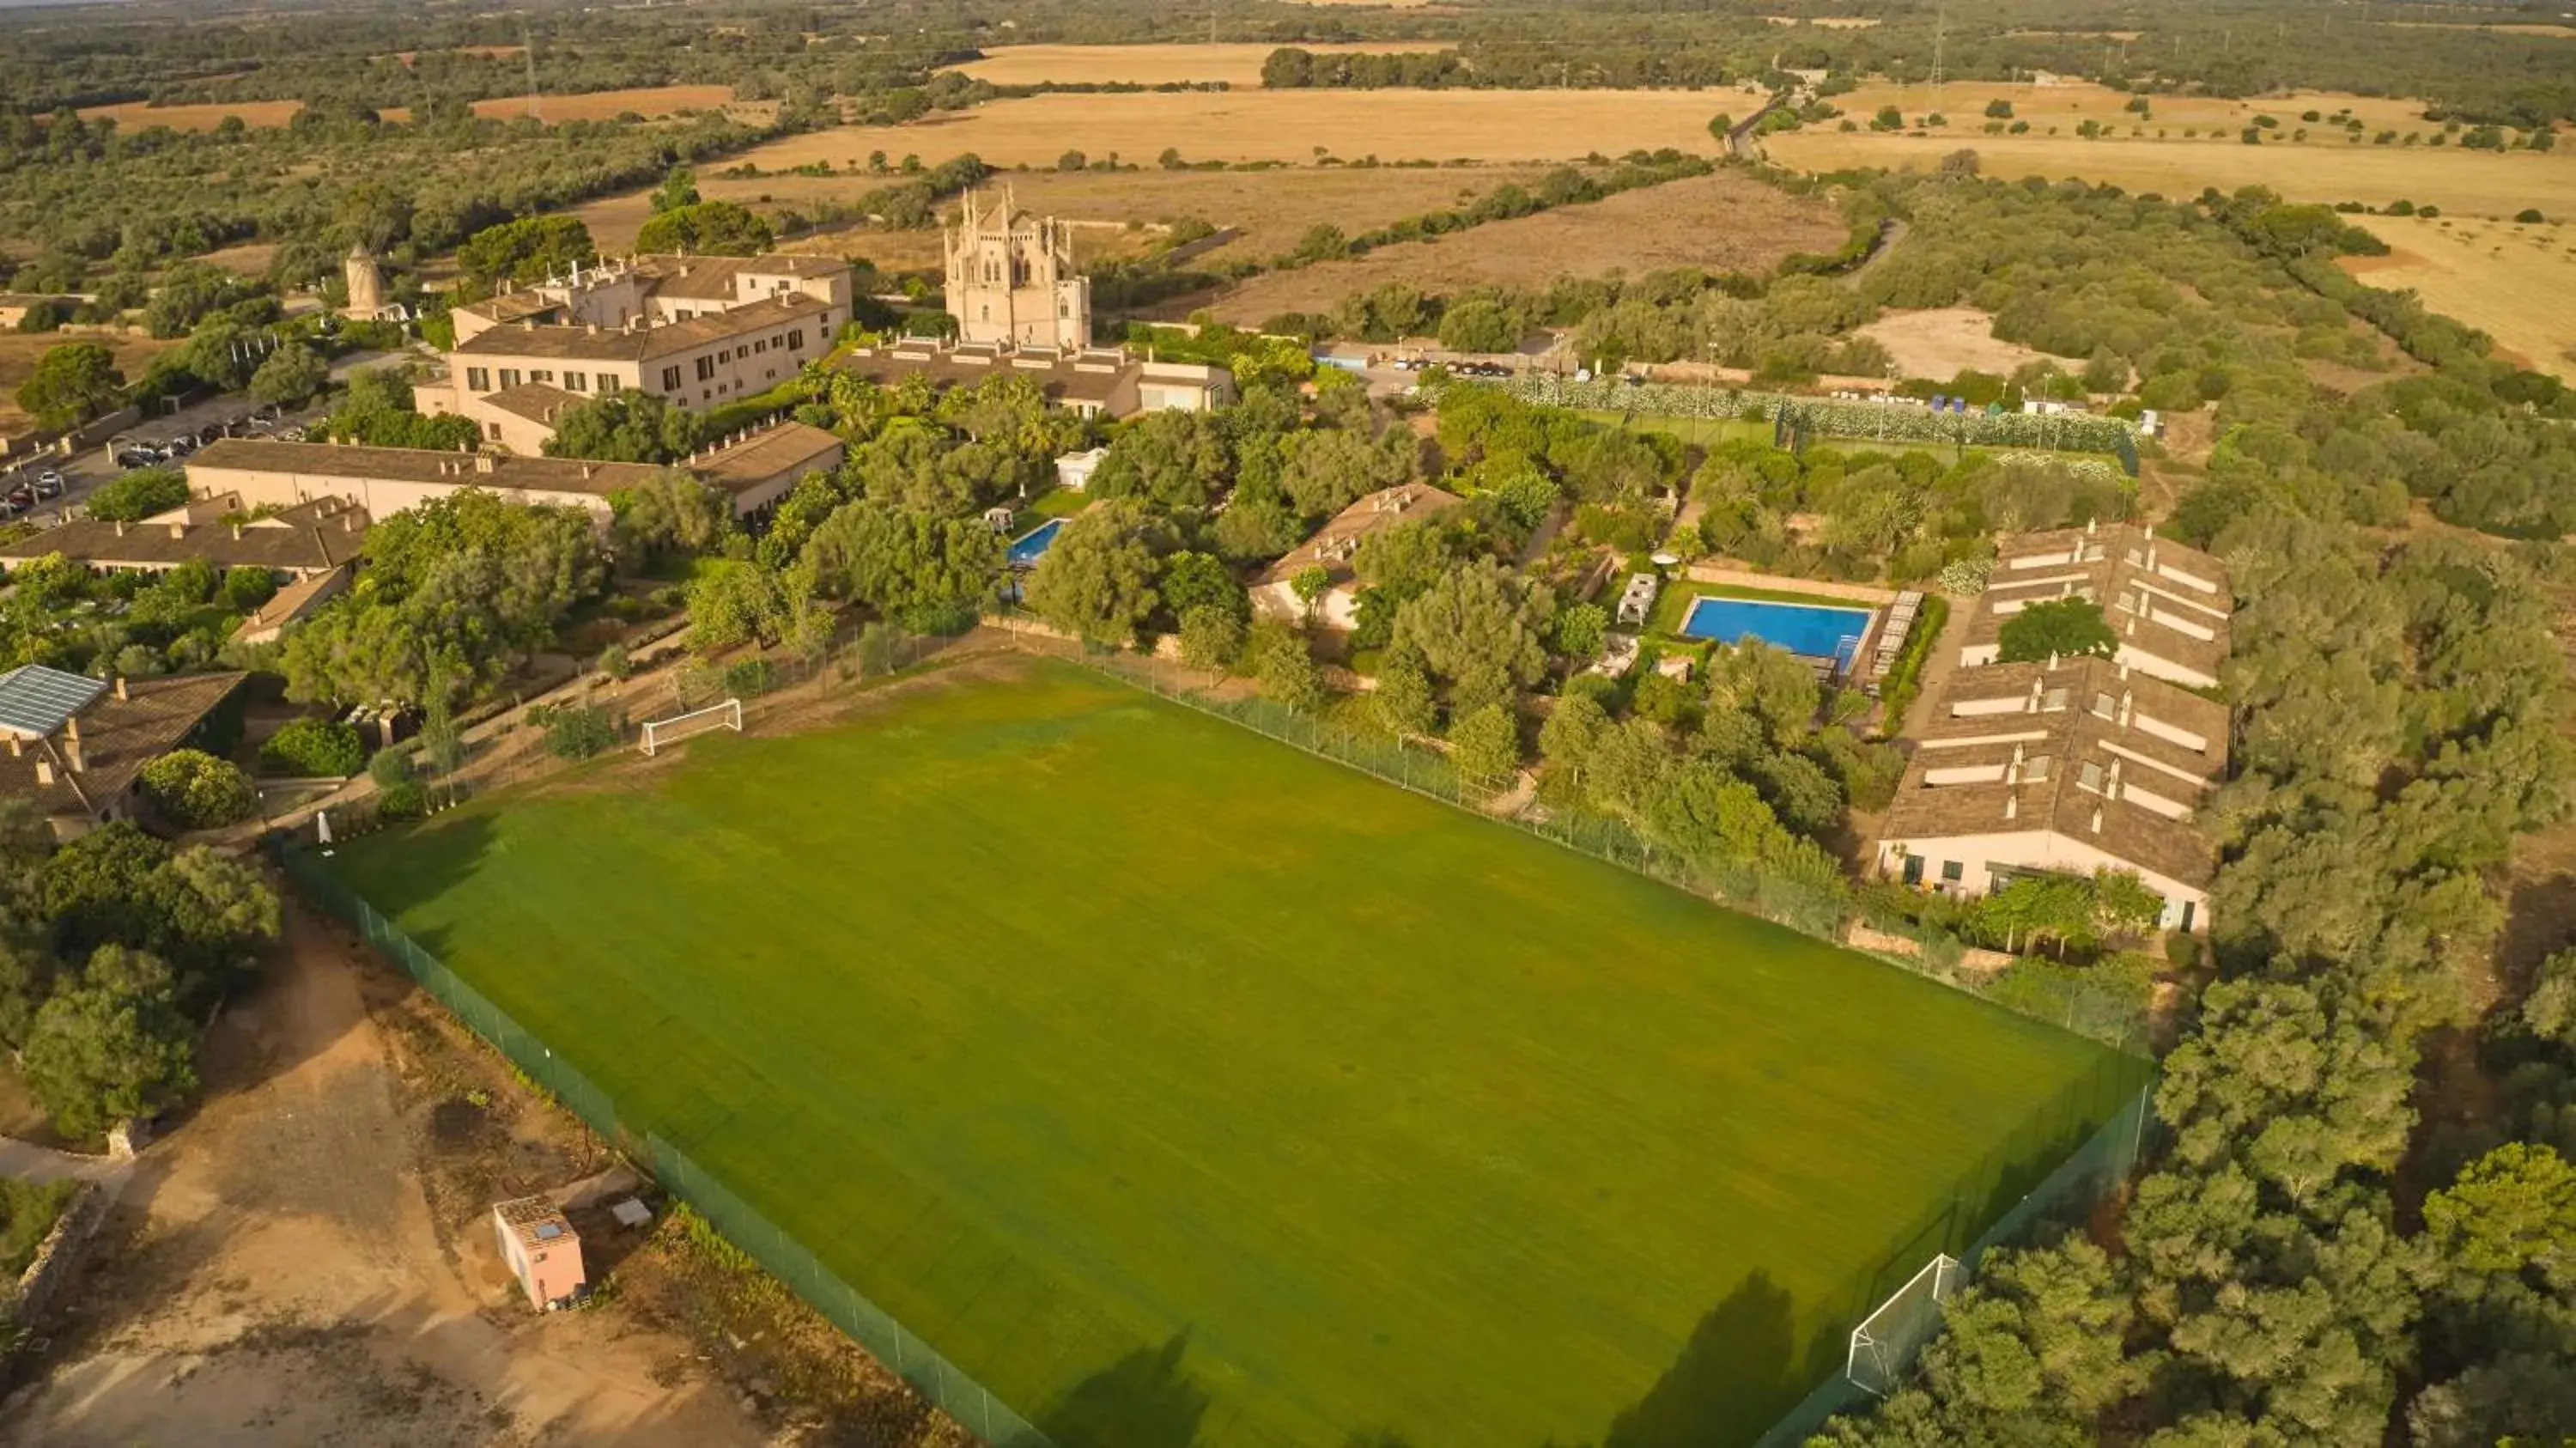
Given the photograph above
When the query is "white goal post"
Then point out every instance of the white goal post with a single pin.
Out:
(1883, 1346)
(660, 732)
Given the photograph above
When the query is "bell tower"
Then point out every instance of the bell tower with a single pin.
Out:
(1011, 280)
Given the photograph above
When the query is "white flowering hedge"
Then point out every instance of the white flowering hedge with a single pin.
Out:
(1893, 422)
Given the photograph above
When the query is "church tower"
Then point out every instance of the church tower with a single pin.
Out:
(1011, 278)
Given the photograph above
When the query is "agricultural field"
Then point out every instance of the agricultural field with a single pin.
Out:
(2516, 283)
(1718, 222)
(2068, 104)
(1939, 342)
(1232, 64)
(2471, 183)
(1297, 127)
(19, 351)
(651, 102)
(1183, 1088)
(1271, 209)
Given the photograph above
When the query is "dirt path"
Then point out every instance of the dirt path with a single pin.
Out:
(284, 1268)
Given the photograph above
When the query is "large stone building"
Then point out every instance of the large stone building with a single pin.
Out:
(2168, 603)
(696, 332)
(2061, 768)
(756, 469)
(1011, 280)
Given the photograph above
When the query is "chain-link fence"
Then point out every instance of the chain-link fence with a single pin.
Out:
(897, 1347)
(2081, 1179)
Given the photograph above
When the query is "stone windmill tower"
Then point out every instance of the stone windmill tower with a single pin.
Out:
(366, 284)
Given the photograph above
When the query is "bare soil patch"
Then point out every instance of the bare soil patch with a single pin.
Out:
(19, 351)
(1230, 63)
(1941, 342)
(2514, 281)
(308, 1260)
(1288, 126)
(2504, 27)
(1719, 222)
(143, 115)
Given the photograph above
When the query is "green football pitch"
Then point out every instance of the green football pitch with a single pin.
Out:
(1185, 1089)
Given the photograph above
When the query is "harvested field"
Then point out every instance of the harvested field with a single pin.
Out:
(250, 259)
(2068, 104)
(2515, 283)
(1717, 222)
(143, 115)
(18, 354)
(1234, 64)
(2508, 27)
(649, 101)
(2477, 183)
(1271, 208)
(1941, 342)
(1287, 126)
(1826, 22)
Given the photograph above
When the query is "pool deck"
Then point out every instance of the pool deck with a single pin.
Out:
(1870, 603)
(1863, 593)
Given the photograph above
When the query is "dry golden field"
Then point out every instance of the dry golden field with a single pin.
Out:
(1290, 126)
(2508, 27)
(1718, 222)
(651, 102)
(18, 356)
(1826, 22)
(2516, 283)
(1235, 64)
(1940, 342)
(1271, 209)
(2068, 104)
(2472, 183)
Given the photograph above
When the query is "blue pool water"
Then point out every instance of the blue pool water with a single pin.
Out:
(1026, 548)
(1809, 629)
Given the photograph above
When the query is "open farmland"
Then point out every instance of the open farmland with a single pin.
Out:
(1271, 208)
(1182, 1088)
(1233, 64)
(1720, 222)
(18, 354)
(2477, 183)
(2515, 283)
(2508, 28)
(1289, 126)
(1938, 342)
(2068, 104)
(650, 102)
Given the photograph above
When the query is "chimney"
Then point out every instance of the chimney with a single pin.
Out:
(44, 771)
(121, 691)
(237, 532)
(179, 528)
(585, 472)
(72, 756)
(2097, 819)
(120, 527)
(483, 462)
(527, 326)
(13, 744)
(594, 329)
(2012, 805)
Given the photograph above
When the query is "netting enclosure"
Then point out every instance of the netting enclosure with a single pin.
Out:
(1884, 1344)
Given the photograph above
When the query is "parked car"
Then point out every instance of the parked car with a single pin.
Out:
(138, 456)
(22, 497)
(179, 447)
(292, 434)
(49, 484)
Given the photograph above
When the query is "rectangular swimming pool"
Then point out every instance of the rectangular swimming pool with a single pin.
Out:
(1812, 630)
(1028, 547)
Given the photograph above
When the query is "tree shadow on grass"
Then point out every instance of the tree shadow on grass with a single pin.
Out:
(1738, 1373)
(1146, 1399)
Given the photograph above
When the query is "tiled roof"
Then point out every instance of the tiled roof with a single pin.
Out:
(326, 461)
(1333, 544)
(307, 538)
(2086, 749)
(634, 344)
(534, 401)
(117, 738)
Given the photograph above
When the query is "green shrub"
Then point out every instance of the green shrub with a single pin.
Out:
(197, 791)
(750, 678)
(575, 731)
(402, 802)
(391, 767)
(311, 747)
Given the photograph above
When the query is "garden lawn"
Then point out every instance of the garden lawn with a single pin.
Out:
(1185, 1089)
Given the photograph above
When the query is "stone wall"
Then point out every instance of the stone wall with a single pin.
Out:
(22, 1303)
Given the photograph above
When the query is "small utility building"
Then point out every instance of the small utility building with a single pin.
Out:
(543, 1251)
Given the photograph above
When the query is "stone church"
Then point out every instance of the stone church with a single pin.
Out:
(1011, 278)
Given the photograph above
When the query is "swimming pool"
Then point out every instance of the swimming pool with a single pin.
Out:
(1813, 630)
(1026, 548)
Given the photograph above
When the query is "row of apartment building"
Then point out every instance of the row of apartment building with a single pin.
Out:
(2072, 765)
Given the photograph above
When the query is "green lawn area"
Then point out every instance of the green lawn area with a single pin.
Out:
(1187, 1090)
(1673, 604)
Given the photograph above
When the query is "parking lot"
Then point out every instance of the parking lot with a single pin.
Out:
(47, 490)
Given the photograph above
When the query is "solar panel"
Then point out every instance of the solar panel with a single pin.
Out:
(548, 1231)
(35, 700)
